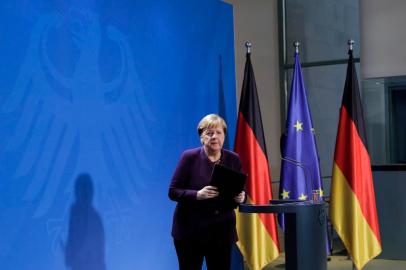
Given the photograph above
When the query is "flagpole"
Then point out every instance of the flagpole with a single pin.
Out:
(296, 44)
(248, 45)
(350, 44)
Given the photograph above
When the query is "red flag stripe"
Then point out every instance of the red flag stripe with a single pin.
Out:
(352, 158)
(255, 163)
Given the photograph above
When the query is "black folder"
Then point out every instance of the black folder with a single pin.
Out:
(229, 182)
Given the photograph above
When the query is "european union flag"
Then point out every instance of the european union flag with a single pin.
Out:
(300, 172)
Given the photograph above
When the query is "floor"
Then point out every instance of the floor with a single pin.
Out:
(341, 262)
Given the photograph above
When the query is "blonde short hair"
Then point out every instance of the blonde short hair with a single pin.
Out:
(211, 120)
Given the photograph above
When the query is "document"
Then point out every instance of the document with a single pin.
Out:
(229, 182)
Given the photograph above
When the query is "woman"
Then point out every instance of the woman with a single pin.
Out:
(203, 224)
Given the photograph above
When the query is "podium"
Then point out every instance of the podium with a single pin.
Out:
(305, 231)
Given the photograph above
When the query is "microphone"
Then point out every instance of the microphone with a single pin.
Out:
(307, 172)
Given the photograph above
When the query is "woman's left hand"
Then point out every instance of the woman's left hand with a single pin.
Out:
(240, 197)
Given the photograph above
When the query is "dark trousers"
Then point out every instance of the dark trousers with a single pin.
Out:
(191, 254)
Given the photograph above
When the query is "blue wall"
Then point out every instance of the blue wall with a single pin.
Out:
(97, 101)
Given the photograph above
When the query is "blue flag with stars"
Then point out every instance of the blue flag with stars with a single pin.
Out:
(300, 171)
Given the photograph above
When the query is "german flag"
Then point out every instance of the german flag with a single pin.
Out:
(258, 239)
(352, 209)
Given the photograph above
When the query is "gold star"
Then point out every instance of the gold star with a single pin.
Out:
(321, 192)
(298, 125)
(303, 197)
(285, 194)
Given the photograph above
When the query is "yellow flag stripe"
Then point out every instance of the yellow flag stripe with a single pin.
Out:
(349, 222)
(255, 243)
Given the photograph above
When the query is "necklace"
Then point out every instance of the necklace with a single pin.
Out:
(213, 156)
(216, 161)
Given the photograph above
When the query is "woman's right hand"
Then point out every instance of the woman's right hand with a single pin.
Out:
(207, 192)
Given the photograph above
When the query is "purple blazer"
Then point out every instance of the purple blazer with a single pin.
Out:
(203, 219)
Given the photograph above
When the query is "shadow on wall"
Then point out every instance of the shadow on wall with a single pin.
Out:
(84, 248)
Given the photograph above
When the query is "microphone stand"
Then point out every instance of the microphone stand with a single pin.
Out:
(307, 173)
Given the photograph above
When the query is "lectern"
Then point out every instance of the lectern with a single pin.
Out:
(305, 231)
